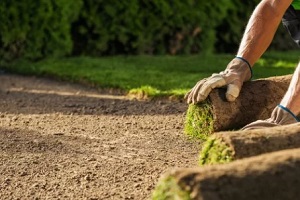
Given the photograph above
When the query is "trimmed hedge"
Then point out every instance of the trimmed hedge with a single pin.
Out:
(231, 29)
(36, 29)
(147, 27)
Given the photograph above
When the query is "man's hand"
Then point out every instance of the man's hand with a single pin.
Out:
(237, 72)
(280, 116)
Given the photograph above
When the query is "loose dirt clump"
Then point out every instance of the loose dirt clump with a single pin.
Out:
(65, 141)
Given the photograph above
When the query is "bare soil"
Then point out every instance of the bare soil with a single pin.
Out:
(66, 141)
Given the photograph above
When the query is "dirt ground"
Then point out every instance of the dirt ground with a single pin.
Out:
(66, 141)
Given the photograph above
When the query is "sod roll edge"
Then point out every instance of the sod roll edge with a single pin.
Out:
(272, 176)
(223, 147)
(257, 100)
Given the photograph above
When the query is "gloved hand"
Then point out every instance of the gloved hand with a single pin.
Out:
(236, 73)
(280, 116)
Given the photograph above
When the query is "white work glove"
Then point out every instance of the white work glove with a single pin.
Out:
(236, 73)
(280, 116)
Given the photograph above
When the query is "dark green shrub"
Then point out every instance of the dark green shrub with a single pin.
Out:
(231, 29)
(35, 29)
(143, 26)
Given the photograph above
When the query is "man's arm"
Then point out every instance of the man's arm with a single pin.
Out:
(258, 35)
(261, 28)
(288, 109)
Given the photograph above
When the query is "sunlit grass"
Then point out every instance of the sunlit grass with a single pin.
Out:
(150, 75)
(167, 189)
(215, 151)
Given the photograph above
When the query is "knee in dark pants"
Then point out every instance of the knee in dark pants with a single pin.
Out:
(291, 21)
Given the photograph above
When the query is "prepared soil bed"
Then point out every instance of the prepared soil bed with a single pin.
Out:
(256, 101)
(65, 141)
(272, 176)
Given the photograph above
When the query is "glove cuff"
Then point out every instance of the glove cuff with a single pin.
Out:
(290, 112)
(248, 64)
(237, 69)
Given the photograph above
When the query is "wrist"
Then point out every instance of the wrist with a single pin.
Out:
(248, 64)
(289, 111)
(239, 68)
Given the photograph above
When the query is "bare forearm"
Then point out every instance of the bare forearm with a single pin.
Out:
(291, 99)
(261, 29)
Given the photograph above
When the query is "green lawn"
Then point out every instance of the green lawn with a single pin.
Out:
(156, 75)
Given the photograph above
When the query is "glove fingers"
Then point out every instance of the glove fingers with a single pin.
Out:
(196, 91)
(233, 90)
(190, 96)
(259, 124)
(215, 81)
(187, 94)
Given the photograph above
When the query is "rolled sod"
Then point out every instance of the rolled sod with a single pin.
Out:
(256, 101)
(272, 176)
(227, 146)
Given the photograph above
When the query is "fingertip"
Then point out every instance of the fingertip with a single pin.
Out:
(186, 98)
(201, 97)
(230, 97)
(233, 92)
(187, 94)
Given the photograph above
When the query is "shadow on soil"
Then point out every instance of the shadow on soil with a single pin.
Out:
(20, 102)
(26, 141)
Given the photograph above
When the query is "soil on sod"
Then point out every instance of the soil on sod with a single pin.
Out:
(64, 141)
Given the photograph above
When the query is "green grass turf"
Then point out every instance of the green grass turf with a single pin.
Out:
(150, 75)
(168, 189)
(199, 121)
(215, 151)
